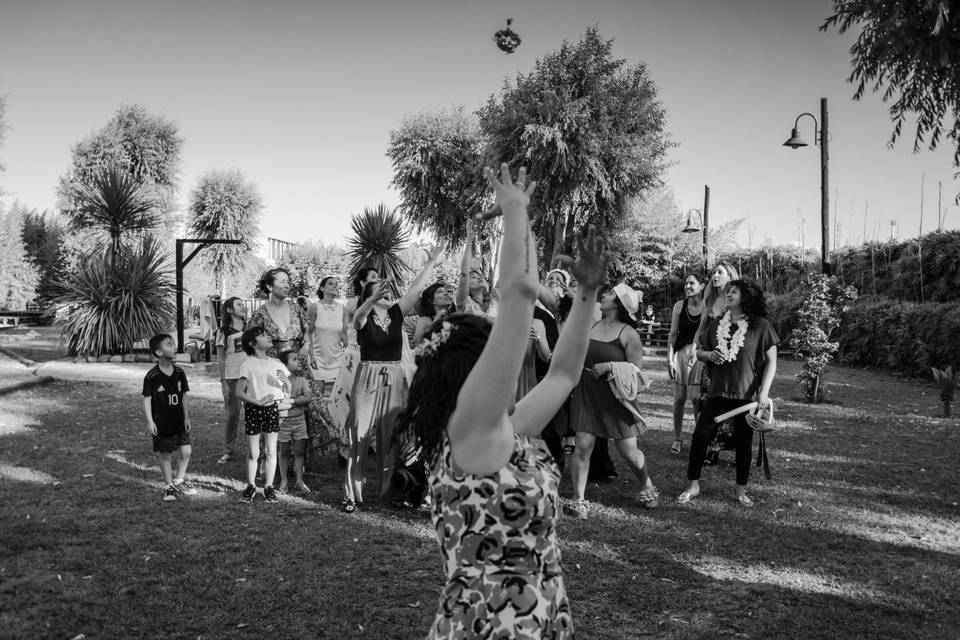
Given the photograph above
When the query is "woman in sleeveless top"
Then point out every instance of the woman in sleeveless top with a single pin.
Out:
(338, 404)
(594, 409)
(680, 348)
(494, 486)
(380, 385)
(327, 339)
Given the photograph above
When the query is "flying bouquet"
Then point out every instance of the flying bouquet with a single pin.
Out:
(507, 39)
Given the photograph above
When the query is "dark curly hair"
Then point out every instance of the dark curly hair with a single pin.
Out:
(362, 274)
(752, 302)
(437, 383)
(270, 277)
(249, 339)
(426, 300)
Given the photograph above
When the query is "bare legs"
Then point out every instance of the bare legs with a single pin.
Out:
(269, 462)
(629, 451)
(680, 394)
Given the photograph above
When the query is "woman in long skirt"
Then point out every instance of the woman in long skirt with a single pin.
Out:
(380, 385)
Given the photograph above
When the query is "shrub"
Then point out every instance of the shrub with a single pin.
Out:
(114, 299)
(818, 318)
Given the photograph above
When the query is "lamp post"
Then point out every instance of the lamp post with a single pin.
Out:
(795, 142)
(704, 221)
(180, 264)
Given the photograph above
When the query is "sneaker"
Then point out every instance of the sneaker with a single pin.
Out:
(225, 458)
(248, 493)
(170, 494)
(270, 494)
(184, 487)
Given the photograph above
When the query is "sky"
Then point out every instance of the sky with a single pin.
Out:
(301, 95)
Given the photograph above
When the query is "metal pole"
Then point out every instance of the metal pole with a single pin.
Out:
(179, 269)
(824, 191)
(706, 218)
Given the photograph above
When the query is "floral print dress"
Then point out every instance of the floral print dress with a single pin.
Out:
(497, 535)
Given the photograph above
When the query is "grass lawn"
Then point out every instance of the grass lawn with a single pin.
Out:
(856, 536)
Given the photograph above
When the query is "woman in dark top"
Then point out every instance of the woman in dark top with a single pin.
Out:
(379, 387)
(595, 411)
(685, 370)
(740, 349)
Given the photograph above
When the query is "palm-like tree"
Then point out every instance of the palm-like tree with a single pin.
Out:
(378, 238)
(116, 205)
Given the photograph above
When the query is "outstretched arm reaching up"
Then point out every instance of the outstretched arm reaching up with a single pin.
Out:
(480, 433)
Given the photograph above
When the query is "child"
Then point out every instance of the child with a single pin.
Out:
(230, 354)
(293, 427)
(262, 381)
(168, 420)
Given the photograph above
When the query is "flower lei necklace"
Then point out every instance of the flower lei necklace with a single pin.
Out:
(730, 349)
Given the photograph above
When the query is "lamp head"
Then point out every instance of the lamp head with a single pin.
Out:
(691, 227)
(795, 141)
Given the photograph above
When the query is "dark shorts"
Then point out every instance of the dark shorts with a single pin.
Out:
(169, 443)
(259, 419)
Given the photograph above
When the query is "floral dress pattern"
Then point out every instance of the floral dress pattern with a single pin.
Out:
(497, 535)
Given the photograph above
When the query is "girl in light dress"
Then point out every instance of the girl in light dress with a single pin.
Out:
(327, 339)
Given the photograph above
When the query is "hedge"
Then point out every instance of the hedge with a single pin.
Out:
(902, 336)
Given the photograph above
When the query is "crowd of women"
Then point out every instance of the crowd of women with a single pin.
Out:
(496, 391)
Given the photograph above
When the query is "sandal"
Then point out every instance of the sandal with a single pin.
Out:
(348, 505)
(577, 509)
(746, 502)
(676, 448)
(649, 498)
(686, 496)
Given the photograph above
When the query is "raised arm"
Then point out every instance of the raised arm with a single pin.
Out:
(463, 286)
(380, 291)
(481, 435)
(542, 402)
(412, 296)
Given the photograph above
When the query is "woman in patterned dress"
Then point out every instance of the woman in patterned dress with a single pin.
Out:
(494, 489)
(283, 319)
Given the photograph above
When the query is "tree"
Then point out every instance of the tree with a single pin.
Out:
(591, 132)
(909, 50)
(643, 249)
(19, 274)
(438, 169)
(144, 145)
(310, 262)
(379, 238)
(43, 236)
(225, 205)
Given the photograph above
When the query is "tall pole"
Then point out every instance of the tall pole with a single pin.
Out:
(824, 191)
(179, 269)
(706, 218)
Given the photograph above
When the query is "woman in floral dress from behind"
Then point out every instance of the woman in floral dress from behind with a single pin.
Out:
(494, 487)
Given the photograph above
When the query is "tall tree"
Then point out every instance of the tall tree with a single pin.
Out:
(438, 169)
(19, 274)
(910, 51)
(225, 205)
(43, 235)
(145, 145)
(643, 249)
(591, 132)
(310, 262)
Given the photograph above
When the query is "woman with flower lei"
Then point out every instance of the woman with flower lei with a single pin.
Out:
(740, 349)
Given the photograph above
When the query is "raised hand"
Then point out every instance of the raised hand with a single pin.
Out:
(381, 290)
(434, 252)
(508, 193)
(590, 265)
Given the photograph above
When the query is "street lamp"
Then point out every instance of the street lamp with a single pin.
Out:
(795, 142)
(704, 220)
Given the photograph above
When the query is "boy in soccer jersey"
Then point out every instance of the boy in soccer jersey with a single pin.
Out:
(168, 419)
